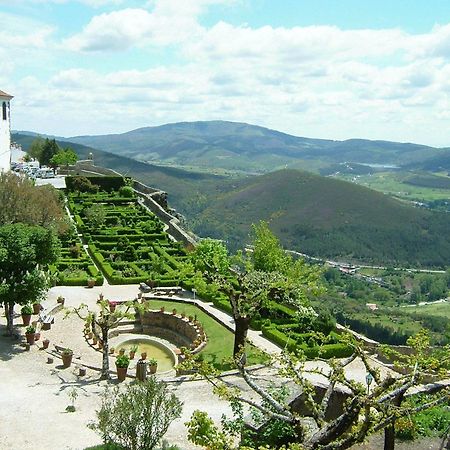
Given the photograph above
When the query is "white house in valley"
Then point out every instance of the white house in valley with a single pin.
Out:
(5, 131)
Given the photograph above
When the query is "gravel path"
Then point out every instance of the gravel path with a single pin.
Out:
(34, 394)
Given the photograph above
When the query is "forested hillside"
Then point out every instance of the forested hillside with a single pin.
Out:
(329, 218)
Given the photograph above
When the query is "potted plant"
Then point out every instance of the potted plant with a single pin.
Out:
(162, 309)
(30, 334)
(122, 363)
(122, 352)
(36, 308)
(67, 355)
(45, 343)
(91, 282)
(144, 356)
(60, 300)
(174, 311)
(26, 311)
(152, 365)
(133, 351)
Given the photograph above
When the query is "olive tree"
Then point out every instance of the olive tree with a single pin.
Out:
(251, 282)
(104, 320)
(137, 417)
(367, 409)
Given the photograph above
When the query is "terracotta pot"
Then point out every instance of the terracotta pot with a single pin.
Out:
(36, 308)
(45, 343)
(121, 373)
(122, 351)
(132, 355)
(37, 336)
(174, 312)
(162, 309)
(26, 318)
(112, 350)
(82, 371)
(153, 368)
(91, 283)
(144, 356)
(67, 359)
(30, 338)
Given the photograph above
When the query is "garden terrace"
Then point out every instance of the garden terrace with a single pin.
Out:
(74, 266)
(126, 241)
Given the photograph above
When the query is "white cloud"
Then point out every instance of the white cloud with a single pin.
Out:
(313, 81)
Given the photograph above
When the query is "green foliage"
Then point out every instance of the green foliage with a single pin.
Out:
(203, 431)
(64, 157)
(126, 191)
(96, 215)
(23, 250)
(210, 254)
(138, 416)
(80, 184)
(26, 310)
(122, 361)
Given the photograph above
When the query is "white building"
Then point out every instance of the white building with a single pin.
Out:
(5, 131)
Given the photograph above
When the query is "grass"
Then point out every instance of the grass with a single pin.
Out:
(394, 183)
(220, 339)
(437, 309)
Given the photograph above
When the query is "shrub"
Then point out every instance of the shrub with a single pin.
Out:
(122, 361)
(27, 310)
(138, 416)
(126, 191)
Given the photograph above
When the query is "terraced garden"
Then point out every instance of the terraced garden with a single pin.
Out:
(126, 241)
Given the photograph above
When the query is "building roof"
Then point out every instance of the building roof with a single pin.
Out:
(4, 94)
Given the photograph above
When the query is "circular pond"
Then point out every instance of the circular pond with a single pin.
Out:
(165, 356)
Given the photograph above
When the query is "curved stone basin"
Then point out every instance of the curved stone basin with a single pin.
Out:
(164, 355)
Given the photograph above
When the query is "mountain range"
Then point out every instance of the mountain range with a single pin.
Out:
(241, 147)
(320, 216)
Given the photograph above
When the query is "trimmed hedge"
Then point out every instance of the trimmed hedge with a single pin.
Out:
(106, 183)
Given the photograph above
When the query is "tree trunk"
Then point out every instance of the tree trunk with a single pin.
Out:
(389, 437)
(9, 313)
(105, 360)
(240, 335)
(389, 431)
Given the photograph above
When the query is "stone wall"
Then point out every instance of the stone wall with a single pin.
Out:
(180, 331)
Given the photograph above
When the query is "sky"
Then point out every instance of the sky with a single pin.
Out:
(334, 69)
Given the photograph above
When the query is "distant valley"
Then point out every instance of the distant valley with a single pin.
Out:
(221, 196)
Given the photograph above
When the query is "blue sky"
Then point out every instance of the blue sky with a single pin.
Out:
(328, 69)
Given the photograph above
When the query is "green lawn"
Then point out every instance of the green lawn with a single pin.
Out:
(220, 339)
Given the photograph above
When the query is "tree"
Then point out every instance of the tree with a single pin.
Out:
(23, 202)
(35, 150)
(138, 417)
(103, 320)
(24, 250)
(253, 282)
(64, 157)
(368, 408)
(96, 215)
(49, 149)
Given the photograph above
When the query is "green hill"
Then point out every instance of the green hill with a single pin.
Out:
(185, 188)
(329, 218)
(248, 148)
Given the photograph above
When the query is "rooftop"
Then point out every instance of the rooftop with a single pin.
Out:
(4, 94)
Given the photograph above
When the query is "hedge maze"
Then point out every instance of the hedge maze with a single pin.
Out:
(125, 240)
(74, 266)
